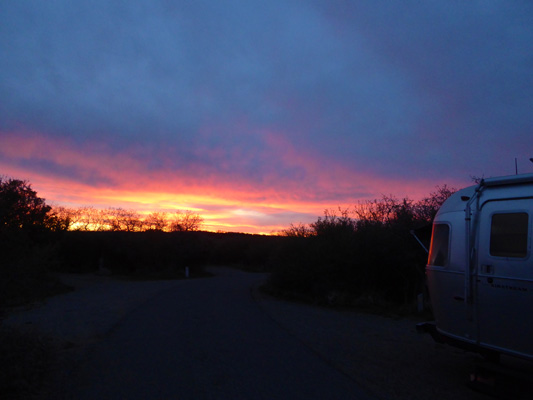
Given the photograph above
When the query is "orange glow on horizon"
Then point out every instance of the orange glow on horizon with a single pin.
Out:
(225, 203)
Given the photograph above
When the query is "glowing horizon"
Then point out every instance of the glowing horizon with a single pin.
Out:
(224, 206)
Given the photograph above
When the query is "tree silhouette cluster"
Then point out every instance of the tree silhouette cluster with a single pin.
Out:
(362, 255)
(22, 210)
(34, 238)
(29, 231)
(385, 211)
(123, 220)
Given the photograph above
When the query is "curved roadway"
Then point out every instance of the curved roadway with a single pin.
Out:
(205, 339)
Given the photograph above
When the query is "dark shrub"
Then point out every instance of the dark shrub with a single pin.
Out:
(369, 258)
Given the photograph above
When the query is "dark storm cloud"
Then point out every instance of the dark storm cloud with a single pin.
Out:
(406, 89)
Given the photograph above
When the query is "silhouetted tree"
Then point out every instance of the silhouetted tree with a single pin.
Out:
(123, 220)
(381, 211)
(28, 238)
(156, 221)
(297, 230)
(186, 221)
(100, 220)
(22, 209)
(426, 209)
(333, 223)
(77, 217)
(63, 216)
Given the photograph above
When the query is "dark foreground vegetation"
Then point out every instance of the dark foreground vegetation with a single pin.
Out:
(155, 254)
(366, 256)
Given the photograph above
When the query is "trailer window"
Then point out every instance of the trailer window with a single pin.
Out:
(508, 235)
(438, 251)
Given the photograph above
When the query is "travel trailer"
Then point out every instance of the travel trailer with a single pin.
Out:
(480, 268)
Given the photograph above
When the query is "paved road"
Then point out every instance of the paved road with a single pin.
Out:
(206, 339)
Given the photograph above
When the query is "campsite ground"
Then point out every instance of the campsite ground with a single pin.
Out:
(384, 356)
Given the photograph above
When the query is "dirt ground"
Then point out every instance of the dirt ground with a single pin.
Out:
(385, 356)
(390, 359)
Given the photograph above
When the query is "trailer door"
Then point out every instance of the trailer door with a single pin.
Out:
(504, 277)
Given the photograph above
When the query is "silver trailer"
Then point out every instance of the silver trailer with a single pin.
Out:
(480, 268)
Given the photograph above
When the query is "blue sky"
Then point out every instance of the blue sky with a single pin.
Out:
(258, 114)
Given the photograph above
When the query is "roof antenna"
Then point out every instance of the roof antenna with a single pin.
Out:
(515, 166)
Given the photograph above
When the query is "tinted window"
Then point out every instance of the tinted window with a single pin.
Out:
(508, 235)
(438, 252)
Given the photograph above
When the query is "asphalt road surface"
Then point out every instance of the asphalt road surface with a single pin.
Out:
(205, 339)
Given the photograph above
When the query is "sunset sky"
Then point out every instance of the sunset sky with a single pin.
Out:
(258, 114)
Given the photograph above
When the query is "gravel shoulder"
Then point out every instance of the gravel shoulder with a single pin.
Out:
(385, 356)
